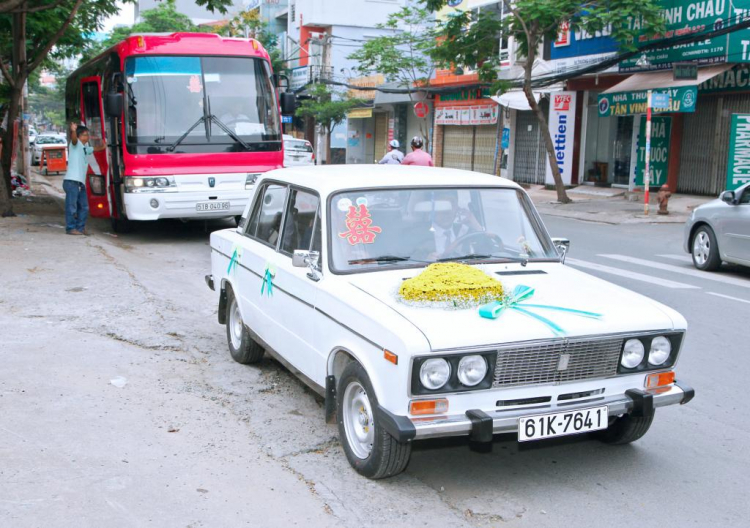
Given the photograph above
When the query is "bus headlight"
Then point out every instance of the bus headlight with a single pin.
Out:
(155, 184)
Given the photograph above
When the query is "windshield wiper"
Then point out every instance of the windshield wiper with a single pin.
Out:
(470, 256)
(385, 258)
(229, 131)
(209, 118)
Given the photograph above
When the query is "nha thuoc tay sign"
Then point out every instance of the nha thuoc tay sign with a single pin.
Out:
(682, 99)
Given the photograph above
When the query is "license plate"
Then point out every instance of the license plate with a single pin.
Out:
(203, 207)
(551, 425)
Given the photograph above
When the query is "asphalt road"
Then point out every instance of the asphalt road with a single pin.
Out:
(248, 445)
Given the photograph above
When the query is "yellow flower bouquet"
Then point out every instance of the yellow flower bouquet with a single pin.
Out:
(450, 285)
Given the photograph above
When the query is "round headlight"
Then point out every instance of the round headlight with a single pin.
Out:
(434, 373)
(632, 354)
(471, 370)
(162, 182)
(660, 350)
(137, 182)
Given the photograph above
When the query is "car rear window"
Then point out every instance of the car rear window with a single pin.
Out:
(298, 145)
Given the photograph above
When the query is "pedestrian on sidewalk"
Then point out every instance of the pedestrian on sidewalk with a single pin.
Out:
(393, 156)
(74, 183)
(417, 156)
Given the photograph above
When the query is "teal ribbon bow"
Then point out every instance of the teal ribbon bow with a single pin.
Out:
(521, 293)
(267, 284)
(233, 261)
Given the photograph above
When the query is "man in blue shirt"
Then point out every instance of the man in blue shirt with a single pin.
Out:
(74, 184)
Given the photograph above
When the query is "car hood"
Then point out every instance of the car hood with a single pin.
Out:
(554, 285)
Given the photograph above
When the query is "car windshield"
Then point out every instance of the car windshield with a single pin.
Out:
(297, 145)
(169, 95)
(43, 140)
(413, 227)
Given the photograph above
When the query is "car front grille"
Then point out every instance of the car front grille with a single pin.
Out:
(557, 361)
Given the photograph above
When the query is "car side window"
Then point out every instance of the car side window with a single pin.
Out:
(265, 220)
(300, 221)
(745, 198)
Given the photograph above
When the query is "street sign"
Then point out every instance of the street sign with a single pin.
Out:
(660, 101)
(505, 139)
(685, 71)
(421, 109)
(681, 99)
(286, 119)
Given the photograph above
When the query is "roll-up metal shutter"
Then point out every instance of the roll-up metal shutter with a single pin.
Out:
(705, 143)
(529, 156)
(458, 142)
(485, 144)
(381, 135)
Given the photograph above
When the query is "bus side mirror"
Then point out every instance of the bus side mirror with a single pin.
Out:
(113, 104)
(288, 103)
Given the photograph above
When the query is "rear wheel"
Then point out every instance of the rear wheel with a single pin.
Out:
(370, 449)
(705, 249)
(625, 429)
(241, 346)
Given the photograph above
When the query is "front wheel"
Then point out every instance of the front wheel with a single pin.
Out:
(625, 429)
(242, 347)
(705, 249)
(370, 449)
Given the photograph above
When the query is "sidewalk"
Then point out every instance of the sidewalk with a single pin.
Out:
(610, 206)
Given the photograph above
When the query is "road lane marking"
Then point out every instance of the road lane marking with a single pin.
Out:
(729, 297)
(705, 275)
(681, 258)
(630, 274)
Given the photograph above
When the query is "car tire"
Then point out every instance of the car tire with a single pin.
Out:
(242, 347)
(625, 429)
(370, 449)
(705, 250)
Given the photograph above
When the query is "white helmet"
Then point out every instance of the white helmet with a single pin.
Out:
(394, 143)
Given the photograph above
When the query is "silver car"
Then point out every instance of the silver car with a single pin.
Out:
(719, 231)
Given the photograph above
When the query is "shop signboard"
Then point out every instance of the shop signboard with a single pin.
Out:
(577, 42)
(466, 115)
(562, 119)
(681, 99)
(505, 139)
(660, 101)
(738, 165)
(735, 79)
(299, 78)
(661, 128)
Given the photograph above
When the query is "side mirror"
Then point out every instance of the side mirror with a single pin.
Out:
(303, 258)
(288, 103)
(562, 245)
(727, 197)
(113, 104)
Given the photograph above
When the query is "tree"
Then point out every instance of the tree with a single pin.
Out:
(404, 55)
(326, 111)
(249, 25)
(473, 40)
(33, 32)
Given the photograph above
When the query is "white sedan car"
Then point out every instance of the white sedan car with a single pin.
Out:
(44, 141)
(297, 152)
(423, 302)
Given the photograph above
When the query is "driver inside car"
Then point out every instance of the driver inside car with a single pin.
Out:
(449, 224)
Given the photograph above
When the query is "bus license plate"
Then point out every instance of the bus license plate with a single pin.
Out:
(552, 425)
(203, 207)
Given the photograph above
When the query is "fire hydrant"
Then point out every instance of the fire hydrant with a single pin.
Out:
(663, 198)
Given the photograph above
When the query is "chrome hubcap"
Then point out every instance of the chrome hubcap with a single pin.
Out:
(235, 325)
(701, 248)
(358, 420)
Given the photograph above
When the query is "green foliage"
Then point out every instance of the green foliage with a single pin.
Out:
(327, 111)
(404, 54)
(473, 40)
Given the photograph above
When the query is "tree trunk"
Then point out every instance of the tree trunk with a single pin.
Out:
(9, 146)
(562, 196)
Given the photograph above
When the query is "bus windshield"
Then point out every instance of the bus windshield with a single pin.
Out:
(202, 99)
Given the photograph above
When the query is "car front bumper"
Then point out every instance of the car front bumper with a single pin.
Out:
(481, 425)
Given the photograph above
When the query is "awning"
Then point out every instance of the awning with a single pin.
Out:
(630, 96)
(515, 99)
(665, 79)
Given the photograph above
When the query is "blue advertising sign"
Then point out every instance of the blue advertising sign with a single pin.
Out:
(286, 119)
(576, 43)
(505, 140)
(660, 101)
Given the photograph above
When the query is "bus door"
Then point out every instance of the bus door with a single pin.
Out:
(98, 170)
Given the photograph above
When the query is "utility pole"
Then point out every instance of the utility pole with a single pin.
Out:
(19, 25)
(323, 138)
(647, 167)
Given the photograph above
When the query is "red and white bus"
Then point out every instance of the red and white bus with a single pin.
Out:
(190, 120)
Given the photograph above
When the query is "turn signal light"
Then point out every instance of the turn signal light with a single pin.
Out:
(659, 379)
(390, 356)
(421, 407)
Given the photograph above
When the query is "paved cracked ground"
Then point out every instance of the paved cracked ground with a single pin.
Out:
(193, 439)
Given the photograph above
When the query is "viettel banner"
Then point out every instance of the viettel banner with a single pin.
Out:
(682, 99)
(738, 166)
(562, 120)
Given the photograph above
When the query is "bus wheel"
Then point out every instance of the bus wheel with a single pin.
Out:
(121, 225)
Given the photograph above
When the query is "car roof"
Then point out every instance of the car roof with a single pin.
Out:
(327, 179)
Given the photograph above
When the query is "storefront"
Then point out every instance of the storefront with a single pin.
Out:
(467, 130)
